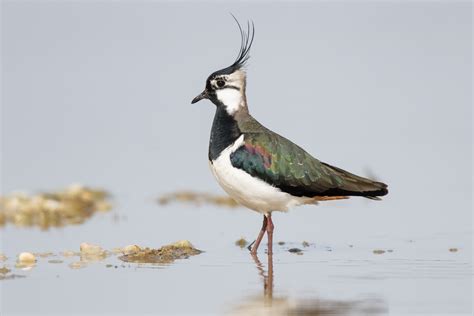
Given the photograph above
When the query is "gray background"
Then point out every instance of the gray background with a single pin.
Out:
(99, 93)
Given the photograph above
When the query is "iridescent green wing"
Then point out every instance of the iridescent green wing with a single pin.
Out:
(285, 165)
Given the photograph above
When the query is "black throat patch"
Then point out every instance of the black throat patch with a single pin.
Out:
(224, 132)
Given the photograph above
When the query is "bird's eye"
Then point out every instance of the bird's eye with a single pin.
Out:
(220, 83)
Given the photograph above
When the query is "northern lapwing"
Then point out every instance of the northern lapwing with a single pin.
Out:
(259, 168)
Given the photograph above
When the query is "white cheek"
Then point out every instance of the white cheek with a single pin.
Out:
(231, 98)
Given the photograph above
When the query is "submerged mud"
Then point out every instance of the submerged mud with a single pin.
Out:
(164, 255)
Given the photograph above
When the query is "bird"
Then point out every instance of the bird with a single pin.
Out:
(257, 167)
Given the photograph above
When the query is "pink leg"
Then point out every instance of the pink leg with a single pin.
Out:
(260, 236)
(270, 227)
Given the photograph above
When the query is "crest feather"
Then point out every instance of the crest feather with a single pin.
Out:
(245, 45)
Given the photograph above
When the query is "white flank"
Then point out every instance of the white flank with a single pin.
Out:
(251, 192)
(231, 98)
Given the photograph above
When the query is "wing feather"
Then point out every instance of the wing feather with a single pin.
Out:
(283, 164)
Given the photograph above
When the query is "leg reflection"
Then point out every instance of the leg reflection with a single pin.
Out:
(267, 276)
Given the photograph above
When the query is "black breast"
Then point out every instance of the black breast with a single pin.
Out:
(224, 133)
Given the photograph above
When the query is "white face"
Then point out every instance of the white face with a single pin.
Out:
(230, 90)
(231, 98)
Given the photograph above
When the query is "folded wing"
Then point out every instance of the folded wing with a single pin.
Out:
(283, 164)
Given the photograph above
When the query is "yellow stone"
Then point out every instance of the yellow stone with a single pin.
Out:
(26, 257)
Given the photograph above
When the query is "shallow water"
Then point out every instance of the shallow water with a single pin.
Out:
(412, 276)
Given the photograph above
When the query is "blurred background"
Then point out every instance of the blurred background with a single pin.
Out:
(98, 93)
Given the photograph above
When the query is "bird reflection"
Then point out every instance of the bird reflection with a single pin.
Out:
(281, 305)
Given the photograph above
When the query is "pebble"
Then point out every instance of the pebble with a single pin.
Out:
(295, 250)
(26, 258)
(378, 251)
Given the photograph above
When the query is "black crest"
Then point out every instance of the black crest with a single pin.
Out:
(245, 45)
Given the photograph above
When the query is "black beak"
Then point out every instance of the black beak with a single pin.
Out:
(201, 96)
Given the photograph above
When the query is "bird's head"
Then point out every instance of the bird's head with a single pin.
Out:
(226, 87)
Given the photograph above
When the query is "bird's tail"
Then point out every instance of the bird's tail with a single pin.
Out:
(353, 185)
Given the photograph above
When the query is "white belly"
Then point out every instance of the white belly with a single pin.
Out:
(251, 192)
